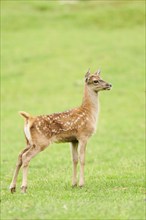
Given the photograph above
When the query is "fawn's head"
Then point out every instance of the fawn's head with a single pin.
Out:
(95, 82)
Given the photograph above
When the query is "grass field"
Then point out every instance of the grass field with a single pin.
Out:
(46, 49)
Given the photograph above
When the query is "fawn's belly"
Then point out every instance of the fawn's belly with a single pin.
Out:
(66, 139)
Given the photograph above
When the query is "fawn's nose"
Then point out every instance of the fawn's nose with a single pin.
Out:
(108, 84)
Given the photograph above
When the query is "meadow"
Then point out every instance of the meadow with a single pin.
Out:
(46, 49)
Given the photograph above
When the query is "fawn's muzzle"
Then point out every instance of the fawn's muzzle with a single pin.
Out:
(108, 86)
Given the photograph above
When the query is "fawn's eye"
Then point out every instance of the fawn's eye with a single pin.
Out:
(96, 81)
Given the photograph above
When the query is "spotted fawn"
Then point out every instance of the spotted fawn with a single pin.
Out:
(74, 126)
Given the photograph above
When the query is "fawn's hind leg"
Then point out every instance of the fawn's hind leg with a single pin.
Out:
(18, 165)
(32, 152)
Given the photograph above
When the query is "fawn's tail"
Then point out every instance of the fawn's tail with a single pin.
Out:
(25, 115)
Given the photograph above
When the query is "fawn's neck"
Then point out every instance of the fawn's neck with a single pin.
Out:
(90, 102)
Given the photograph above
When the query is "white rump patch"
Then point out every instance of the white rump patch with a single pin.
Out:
(27, 132)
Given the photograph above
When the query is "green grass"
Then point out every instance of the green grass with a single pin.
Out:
(46, 49)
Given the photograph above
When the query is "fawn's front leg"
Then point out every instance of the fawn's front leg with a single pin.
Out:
(82, 149)
(74, 151)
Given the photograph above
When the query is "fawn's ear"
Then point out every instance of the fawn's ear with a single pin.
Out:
(87, 75)
(98, 72)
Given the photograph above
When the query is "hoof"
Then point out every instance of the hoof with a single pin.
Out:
(23, 189)
(74, 185)
(12, 189)
(81, 185)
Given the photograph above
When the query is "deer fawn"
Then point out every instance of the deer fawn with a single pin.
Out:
(74, 126)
